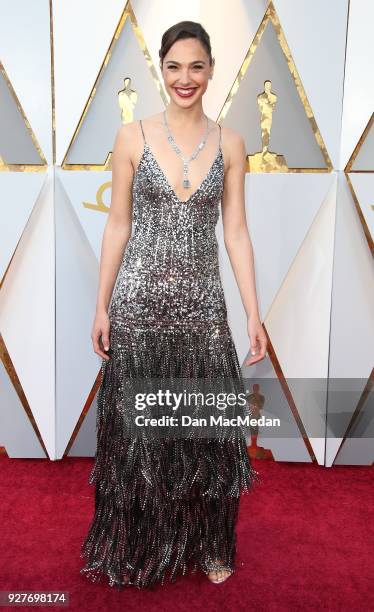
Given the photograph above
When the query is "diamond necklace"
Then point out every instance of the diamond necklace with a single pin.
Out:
(186, 161)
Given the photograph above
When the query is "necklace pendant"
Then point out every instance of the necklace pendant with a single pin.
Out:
(186, 183)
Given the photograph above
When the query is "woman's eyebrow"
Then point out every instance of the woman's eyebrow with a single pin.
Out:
(194, 62)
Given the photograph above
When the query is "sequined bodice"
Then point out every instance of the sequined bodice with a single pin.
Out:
(170, 271)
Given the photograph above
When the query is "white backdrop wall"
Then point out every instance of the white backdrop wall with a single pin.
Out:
(311, 224)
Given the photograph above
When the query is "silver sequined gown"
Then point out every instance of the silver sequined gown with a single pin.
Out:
(164, 507)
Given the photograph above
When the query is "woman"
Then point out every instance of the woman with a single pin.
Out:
(165, 504)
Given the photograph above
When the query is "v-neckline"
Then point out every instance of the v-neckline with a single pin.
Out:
(167, 182)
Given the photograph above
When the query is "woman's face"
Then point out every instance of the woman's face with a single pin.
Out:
(186, 71)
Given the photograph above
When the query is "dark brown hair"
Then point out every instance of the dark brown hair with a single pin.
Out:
(181, 30)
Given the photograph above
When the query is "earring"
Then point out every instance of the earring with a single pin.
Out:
(210, 77)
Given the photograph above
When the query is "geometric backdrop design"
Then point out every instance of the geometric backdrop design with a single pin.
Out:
(292, 78)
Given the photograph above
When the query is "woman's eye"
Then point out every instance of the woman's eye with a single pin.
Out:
(195, 67)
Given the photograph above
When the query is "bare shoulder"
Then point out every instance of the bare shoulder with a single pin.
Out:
(126, 133)
(233, 140)
(234, 146)
(128, 142)
(157, 118)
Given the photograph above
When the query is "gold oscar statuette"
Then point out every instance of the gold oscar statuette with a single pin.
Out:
(256, 403)
(127, 99)
(265, 160)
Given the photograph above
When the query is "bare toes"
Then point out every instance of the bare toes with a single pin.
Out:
(218, 575)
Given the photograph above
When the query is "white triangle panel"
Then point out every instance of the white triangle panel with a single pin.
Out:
(84, 444)
(298, 322)
(80, 46)
(358, 86)
(299, 318)
(240, 18)
(280, 209)
(19, 191)
(16, 432)
(27, 313)
(81, 188)
(316, 35)
(363, 186)
(352, 317)
(77, 365)
(25, 51)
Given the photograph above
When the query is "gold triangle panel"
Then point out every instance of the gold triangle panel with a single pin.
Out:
(266, 100)
(127, 84)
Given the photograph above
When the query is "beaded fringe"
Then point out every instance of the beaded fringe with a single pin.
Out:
(163, 507)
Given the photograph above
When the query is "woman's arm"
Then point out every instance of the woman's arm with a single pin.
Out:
(238, 243)
(116, 234)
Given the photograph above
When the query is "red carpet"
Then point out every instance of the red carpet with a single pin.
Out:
(305, 541)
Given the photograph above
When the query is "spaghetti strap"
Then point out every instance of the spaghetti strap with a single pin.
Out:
(141, 125)
(220, 134)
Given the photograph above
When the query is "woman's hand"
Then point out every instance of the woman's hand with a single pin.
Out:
(100, 334)
(257, 339)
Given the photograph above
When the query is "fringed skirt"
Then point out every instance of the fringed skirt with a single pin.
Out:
(165, 504)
